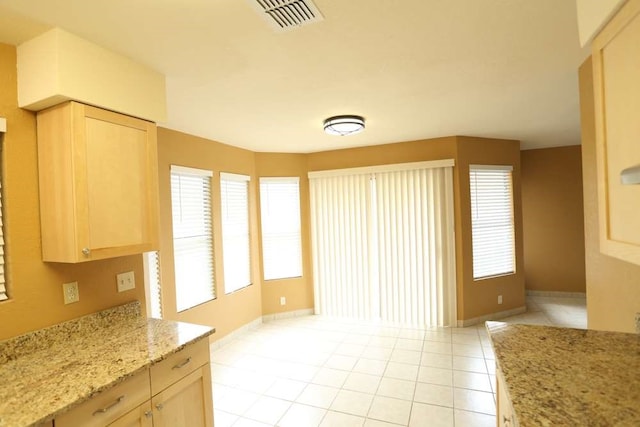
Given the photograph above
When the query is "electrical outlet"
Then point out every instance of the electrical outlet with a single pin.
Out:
(70, 292)
(638, 323)
(499, 299)
(283, 300)
(126, 281)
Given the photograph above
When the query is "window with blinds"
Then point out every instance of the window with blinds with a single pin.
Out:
(280, 220)
(192, 236)
(153, 290)
(492, 220)
(236, 255)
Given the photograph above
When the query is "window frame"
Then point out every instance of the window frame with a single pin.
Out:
(225, 225)
(505, 171)
(296, 270)
(205, 174)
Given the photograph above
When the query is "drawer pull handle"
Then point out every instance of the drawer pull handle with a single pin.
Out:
(107, 408)
(183, 363)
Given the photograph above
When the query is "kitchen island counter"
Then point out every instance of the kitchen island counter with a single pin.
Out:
(561, 376)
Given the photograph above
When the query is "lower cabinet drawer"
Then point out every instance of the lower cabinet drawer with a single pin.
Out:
(179, 364)
(107, 406)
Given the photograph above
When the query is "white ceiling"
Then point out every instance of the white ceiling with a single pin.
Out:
(414, 68)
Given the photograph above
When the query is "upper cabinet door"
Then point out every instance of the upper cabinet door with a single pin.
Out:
(98, 184)
(616, 71)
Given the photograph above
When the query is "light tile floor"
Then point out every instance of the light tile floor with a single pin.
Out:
(313, 371)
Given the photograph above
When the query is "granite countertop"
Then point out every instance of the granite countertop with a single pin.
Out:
(48, 372)
(569, 377)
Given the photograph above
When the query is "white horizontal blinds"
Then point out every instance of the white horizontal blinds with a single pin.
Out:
(280, 221)
(3, 287)
(236, 255)
(151, 262)
(492, 220)
(192, 236)
(415, 235)
(340, 236)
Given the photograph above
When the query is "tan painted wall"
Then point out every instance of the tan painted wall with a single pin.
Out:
(480, 297)
(553, 219)
(227, 312)
(613, 286)
(297, 291)
(35, 287)
(475, 299)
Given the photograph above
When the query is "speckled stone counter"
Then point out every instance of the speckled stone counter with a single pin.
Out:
(569, 377)
(48, 372)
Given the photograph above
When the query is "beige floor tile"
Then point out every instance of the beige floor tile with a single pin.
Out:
(438, 336)
(349, 349)
(473, 419)
(317, 395)
(224, 419)
(377, 353)
(472, 381)
(423, 415)
(381, 341)
(390, 410)
(472, 400)
(467, 350)
(330, 377)
(401, 371)
(247, 422)
(338, 419)
(409, 344)
(267, 410)
(377, 423)
(301, 415)
(365, 383)
(354, 338)
(286, 389)
(437, 347)
(434, 394)
(237, 401)
(352, 402)
(434, 360)
(469, 364)
(440, 376)
(345, 363)
(399, 389)
(410, 357)
(370, 366)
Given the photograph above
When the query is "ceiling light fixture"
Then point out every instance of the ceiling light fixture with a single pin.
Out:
(343, 125)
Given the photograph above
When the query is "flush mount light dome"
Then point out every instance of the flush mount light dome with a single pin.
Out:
(343, 125)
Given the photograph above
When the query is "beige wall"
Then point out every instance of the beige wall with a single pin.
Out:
(35, 287)
(298, 291)
(553, 219)
(227, 312)
(613, 286)
(475, 298)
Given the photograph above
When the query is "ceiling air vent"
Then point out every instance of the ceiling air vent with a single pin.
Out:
(285, 15)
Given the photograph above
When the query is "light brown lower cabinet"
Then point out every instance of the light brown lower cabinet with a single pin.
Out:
(185, 399)
(504, 414)
(142, 416)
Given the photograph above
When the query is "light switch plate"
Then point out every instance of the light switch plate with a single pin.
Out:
(126, 281)
(70, 292)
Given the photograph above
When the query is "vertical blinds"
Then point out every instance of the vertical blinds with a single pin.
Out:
(234, 193)
(280, 222)
(192, 236)
(492, 220)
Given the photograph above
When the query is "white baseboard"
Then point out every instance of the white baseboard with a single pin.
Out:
(236, 333)
(556, 294)
(287, 315)
(492, 316)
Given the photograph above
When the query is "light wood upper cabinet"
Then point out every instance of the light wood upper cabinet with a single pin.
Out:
(98, 184)
(616, 71)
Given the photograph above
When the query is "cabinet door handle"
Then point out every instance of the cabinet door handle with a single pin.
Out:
(148, 414)
(159, 406)
(110, 406)
(183, 363)
(506, 420)
(86, 251)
